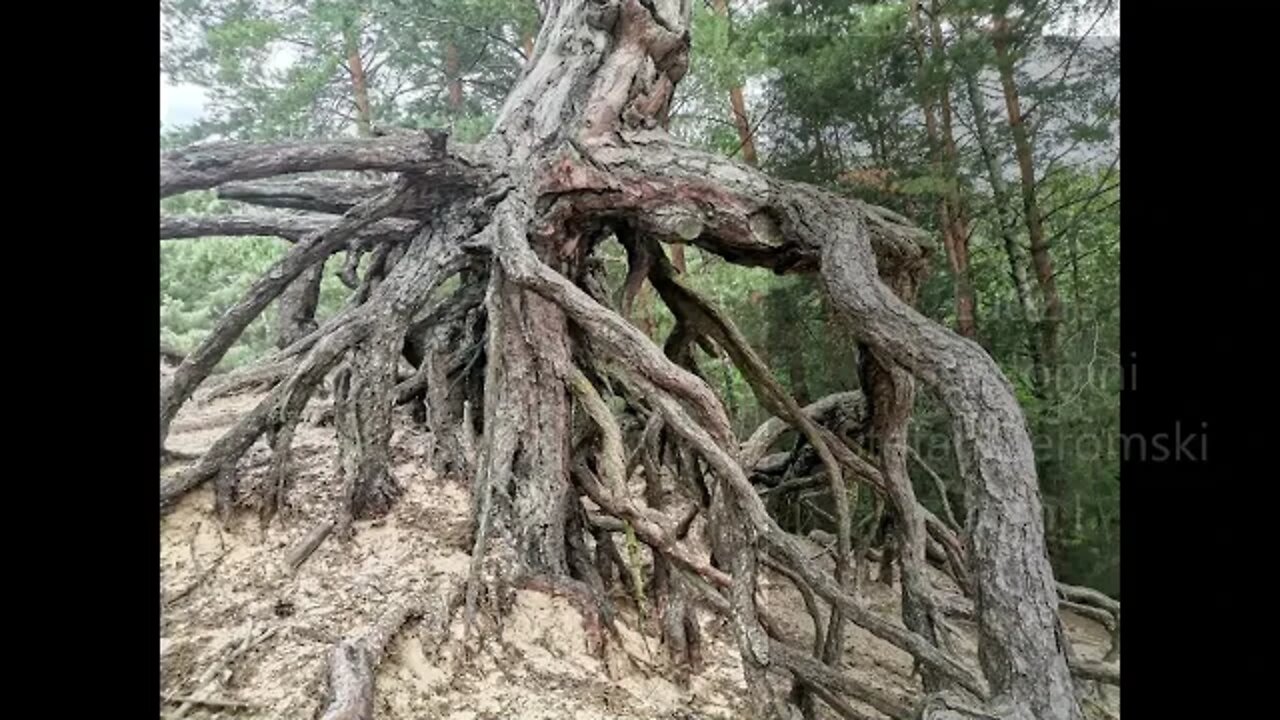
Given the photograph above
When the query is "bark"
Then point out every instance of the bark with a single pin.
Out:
(1042, 261)
(891, 393)
(365, 394)
(297, 306)
(1040, 256)
(740, 121)
(296, 309)
(1019, 646)
(444, 186)
(203, 167)
(958, 235)
(526, 44)
(359, 86)
(578, 149)
(529, 348)
(951, 215)
(290, 227)
(354, 661)
(228, 448)
(453, 76)
(308, 545)
(1004, 221)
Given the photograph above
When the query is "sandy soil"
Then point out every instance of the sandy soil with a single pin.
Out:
(220, 586)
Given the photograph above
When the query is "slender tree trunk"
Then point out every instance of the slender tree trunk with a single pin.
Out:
(453, 75)
(359, 88)
(738, 104)
(1042, 261)
(296, 309)
(1040, 256)
(950, 216)
(958, 251)
(526, 44)
(1003, 224)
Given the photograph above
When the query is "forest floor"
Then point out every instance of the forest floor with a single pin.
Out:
(221, 585)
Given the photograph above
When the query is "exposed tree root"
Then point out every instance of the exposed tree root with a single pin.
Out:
(308, 545)
(576, 153)
(354, 661)
(308, 252)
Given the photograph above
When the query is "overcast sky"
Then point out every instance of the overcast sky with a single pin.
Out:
(183, 103)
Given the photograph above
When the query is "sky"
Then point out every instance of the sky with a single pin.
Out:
(180, 103)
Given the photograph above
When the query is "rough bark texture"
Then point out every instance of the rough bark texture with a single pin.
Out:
(1043, 263)
(951, 215)
(207, 166)
(292, 227)
(359, 85)
(1019, 646)
(579, 151)
(1004, 219)
(296, 309)
(738, 105)
(1041, 260)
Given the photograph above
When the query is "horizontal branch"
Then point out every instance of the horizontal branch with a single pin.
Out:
(317, 194)
(1100, 672)
(207, 166)
(287, 226)
(1088, 596)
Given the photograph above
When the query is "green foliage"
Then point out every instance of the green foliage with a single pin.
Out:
(201, 279)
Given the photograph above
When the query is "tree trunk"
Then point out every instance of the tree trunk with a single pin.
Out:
(951, 218)
(1042, 261)
(296, 309)
(453, 75)
(958, 235)
(526, 44)
(527, 427)
(359, 87)
(1003, 225)
(741, 120)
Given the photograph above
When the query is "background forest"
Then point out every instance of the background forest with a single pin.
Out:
(1004, 143)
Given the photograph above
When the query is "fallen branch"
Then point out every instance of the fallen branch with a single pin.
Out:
(304, 549)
